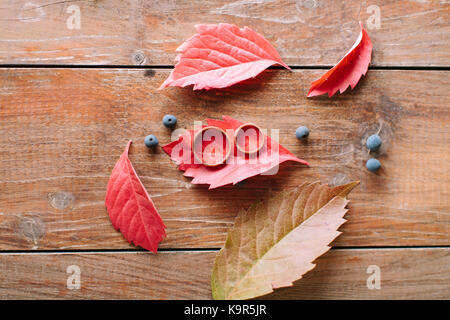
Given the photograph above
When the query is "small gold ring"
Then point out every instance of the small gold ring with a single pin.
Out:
(199, 135)
(240, 130)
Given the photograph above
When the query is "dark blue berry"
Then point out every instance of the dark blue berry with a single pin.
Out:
(373, 165)
(151, 141)
(302, 132)
(373, 142)
(169, 120)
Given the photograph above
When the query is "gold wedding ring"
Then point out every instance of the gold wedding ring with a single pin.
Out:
(198, 150)
(240, 137)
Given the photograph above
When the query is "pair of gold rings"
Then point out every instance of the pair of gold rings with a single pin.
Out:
(213, 154)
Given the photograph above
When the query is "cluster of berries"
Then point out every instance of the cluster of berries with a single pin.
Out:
(168, 121)
(373, 143)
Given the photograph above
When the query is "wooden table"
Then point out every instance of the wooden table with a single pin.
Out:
(78, 79)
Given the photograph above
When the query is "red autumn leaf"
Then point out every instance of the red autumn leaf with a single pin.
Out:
(348, 71)
(237, 168)
(130, 208)
(220, 55)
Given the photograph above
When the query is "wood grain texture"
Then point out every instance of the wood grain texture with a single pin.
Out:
(305, 32)
(63, 130)
(340, 274)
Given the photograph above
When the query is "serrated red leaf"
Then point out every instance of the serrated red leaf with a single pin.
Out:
(269, 157)
(130, 208)
(221, 55)
(348, 71)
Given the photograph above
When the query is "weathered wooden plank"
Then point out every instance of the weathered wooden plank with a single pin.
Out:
(305, 32)
(62, 130)
(340, 274)
(404, 274)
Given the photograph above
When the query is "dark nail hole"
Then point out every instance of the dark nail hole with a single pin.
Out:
(149, 73)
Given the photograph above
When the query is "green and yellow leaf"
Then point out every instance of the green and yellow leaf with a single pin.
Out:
(275, 242)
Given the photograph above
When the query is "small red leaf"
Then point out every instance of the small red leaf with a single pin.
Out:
(220, 55)
(130, 208)
(348, 71)
(237, 168)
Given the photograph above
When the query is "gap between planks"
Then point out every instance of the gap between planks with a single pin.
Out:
(169, 67)
(192, 250)
(339, 274)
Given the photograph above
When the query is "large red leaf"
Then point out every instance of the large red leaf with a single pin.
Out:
(234, 171)
(220, 55)
(348, 71)
(130, 208)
